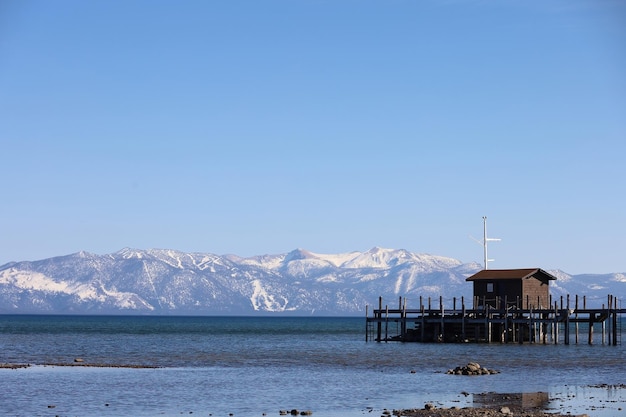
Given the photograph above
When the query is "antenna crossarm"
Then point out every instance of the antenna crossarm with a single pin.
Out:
(484, 242)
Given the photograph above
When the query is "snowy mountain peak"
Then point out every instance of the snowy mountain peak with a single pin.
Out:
(163, 281)
(299, 254)
(560, 275)
(619, 277)
(389, 258)
(375, 258)
(128, 253)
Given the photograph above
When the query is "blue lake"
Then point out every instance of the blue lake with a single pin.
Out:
(255, 365)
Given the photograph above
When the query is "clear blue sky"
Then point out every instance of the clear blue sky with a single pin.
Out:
(258, 127)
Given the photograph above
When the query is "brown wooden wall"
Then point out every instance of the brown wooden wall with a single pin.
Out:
(529, 292)
(536, 293)
(511, 289)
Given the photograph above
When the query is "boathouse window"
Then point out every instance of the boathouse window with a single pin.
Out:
(490, 287)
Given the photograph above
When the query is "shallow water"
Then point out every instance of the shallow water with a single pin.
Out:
(251, 366)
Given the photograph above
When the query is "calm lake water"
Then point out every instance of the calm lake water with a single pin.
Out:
(254, 365)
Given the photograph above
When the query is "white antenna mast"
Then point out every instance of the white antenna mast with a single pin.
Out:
(485, 240)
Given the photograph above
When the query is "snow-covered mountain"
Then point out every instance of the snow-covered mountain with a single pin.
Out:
(300, 282)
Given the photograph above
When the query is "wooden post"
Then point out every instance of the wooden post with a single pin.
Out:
(608, 317)
(404, 319)
(532, 336)
(423, 323)
(487, 323)
(441, 312)
(463, 319)
(506, 321)
(567, 322)
(401, 316)
(615, 321)
(576, 318)
(379, 327)
(543, 330)
(538, 333)
(514, 315)
(366, 322)
(386, 323)
(556, 324)
(591, 318)
(603, 327)
(611, 315)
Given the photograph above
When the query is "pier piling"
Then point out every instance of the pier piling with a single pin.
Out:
(501, 320)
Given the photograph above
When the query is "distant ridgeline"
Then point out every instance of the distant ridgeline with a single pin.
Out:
(155, 281)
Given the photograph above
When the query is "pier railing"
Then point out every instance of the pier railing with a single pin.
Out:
(497, 320)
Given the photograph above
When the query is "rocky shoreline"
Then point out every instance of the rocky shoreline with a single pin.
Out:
(503, 411)
(473, 369)
(13, 365)
(77, 364)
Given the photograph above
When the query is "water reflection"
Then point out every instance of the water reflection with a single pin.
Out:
(515, 401)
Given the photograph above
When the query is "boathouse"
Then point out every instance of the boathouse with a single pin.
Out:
(509, 305)
(519, 288)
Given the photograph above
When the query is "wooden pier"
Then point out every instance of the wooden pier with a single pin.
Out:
(498, 320)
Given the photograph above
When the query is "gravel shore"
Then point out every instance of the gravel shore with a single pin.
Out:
(478, 412)
(490, 404)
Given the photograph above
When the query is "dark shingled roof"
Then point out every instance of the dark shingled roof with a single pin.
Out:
(492, 274)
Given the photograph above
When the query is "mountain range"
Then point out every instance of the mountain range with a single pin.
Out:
(170, 282)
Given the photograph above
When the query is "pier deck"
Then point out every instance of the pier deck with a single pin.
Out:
(496, 320)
